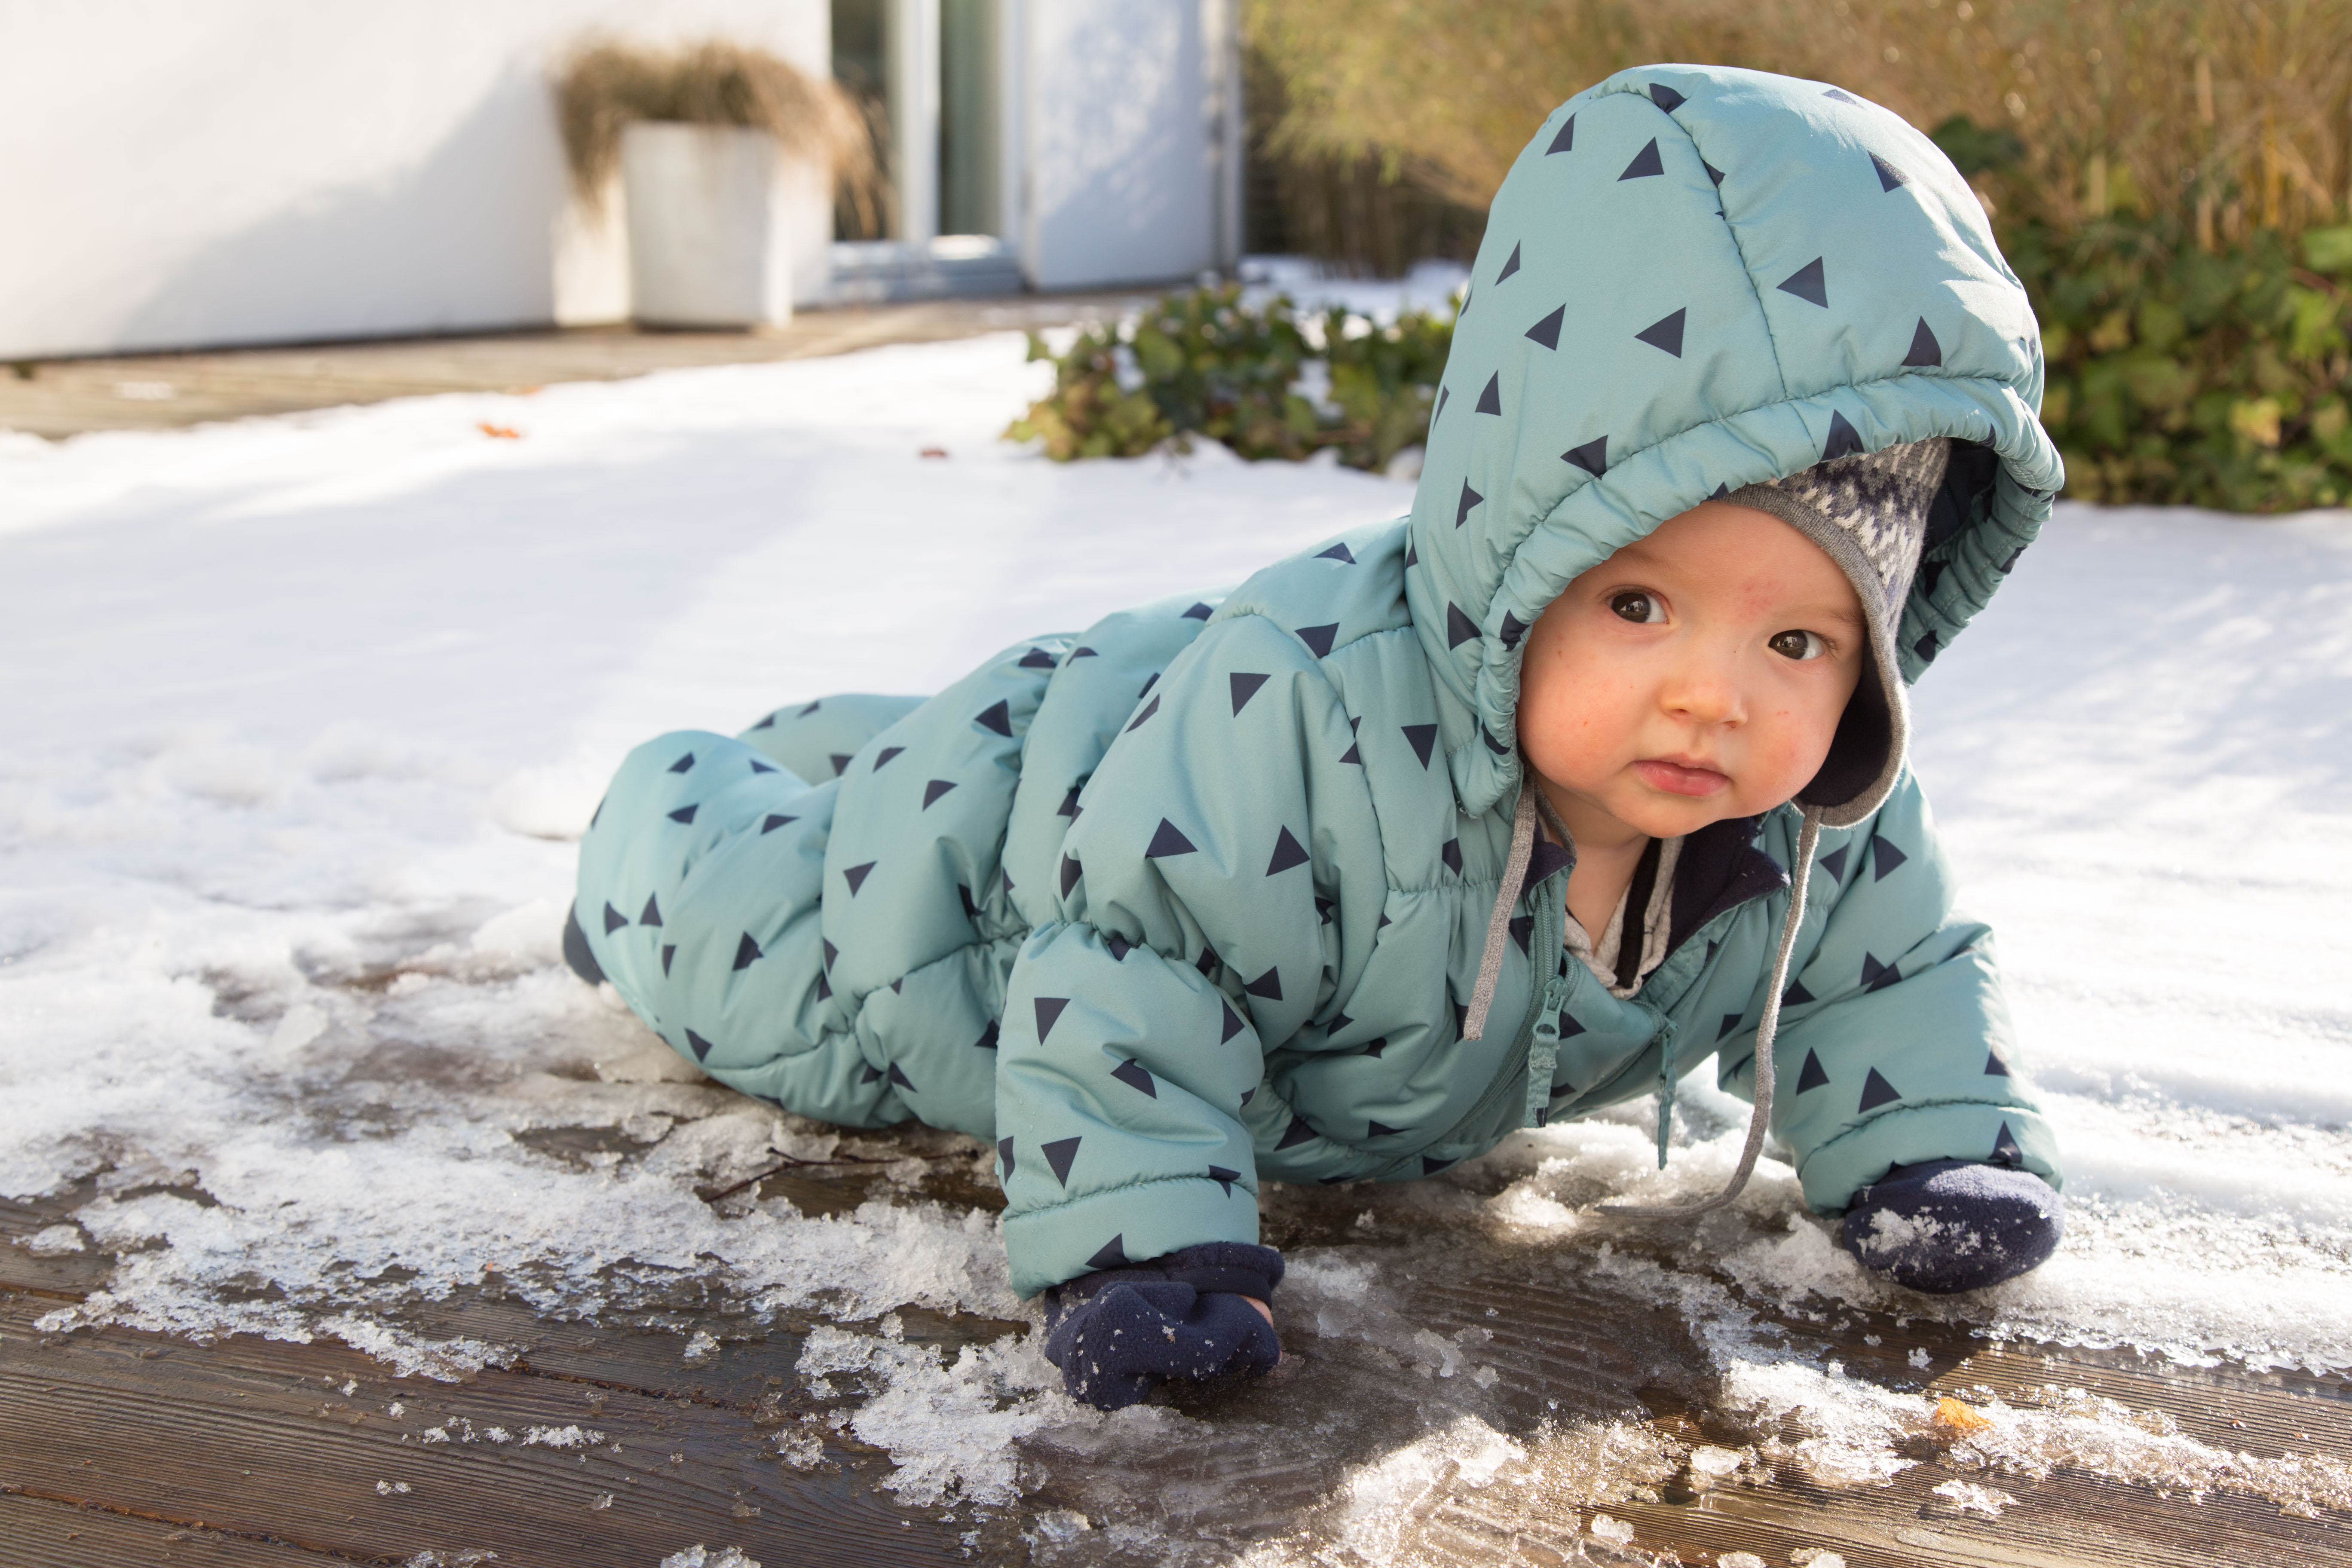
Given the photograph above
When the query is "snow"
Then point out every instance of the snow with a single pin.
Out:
(1376, 1506)
(572, 1437)
(951, 1425)
(1430, 286)
(304, 712)
(700, 1556)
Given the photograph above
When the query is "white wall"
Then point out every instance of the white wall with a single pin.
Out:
(177, 174)
(1132, 110)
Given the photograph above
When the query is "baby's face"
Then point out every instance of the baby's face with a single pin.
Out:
(1696, 676)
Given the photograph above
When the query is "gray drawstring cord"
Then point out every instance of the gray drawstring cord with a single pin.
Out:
(1507, 899)
(1766, 1029)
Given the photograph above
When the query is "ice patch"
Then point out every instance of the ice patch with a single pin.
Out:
(53, 1241)
(1376, 1502)
(1967, 1496)
(1061, 1525)
(950, 1426)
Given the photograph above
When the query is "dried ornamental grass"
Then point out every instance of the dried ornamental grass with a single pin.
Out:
(603, 86)
(2233, 116)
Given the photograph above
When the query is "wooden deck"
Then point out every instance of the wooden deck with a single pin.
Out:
(119, 1447)
(57, 398)
(125, 1447)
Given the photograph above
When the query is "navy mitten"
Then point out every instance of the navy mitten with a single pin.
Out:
(1954, 1225)
(1117, 1334)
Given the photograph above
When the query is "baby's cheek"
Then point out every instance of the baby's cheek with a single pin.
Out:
(1785, 752)
(1561, 744)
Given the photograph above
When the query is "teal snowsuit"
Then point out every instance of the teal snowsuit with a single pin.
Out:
(1196, 898)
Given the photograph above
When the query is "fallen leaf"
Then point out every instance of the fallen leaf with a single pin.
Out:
(500, 432)
(1958, 1417)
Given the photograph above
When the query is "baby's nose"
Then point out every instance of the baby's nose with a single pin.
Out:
(1703, 693)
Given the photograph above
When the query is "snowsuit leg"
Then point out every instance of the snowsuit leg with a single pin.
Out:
(816, 739)
(699, 884)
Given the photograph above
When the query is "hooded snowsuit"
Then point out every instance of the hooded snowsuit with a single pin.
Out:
(1196, 898)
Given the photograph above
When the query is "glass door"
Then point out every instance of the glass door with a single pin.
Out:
(970, 117)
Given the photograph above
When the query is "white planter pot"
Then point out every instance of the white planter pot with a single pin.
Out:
(725, 229)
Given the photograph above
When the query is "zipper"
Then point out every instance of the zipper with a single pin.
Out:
(1544, 939)
(1543, 1049)
(1667, 1078)
(1550, 910)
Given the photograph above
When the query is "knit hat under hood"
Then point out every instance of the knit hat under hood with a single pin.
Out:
(1869, 514)
(1699, 282)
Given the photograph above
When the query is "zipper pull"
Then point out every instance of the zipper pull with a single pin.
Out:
(1555, 998)
(1543, 1053)
(1667, 1078)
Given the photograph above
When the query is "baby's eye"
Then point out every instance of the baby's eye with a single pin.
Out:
(1798, 645)
(1634, 605)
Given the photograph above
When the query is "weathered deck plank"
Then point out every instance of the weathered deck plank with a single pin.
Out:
(279, 1448)
(2068, 1522)
(143, 392)
(301, 1444)
(40, 1532)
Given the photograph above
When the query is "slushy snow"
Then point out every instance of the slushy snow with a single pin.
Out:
(303, 714)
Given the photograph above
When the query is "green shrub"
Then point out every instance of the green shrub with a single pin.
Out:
(1205, 363)
(2176, 375)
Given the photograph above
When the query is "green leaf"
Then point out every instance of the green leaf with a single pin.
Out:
(1975, 149)
(2328, 250)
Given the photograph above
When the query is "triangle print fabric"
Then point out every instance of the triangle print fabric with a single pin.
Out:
(1197, 897)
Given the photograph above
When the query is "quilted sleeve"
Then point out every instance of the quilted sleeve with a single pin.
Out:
(1198, 907)
(1894, 1045)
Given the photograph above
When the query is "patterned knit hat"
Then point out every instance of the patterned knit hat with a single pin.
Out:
(1869, 513)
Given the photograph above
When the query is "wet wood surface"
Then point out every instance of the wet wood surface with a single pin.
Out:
(598, 1445)
(55, 398)
(124, 1447)
(594, 1448)
(42, 1533)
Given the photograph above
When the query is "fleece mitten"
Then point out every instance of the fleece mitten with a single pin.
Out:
(1953, 1225)
(1118, 1333)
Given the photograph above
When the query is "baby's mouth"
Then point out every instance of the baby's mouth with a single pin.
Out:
(1687, 778)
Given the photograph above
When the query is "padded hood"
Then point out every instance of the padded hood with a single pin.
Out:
(1697, 278)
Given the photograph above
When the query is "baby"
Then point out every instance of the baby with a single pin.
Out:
(1521, 806)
